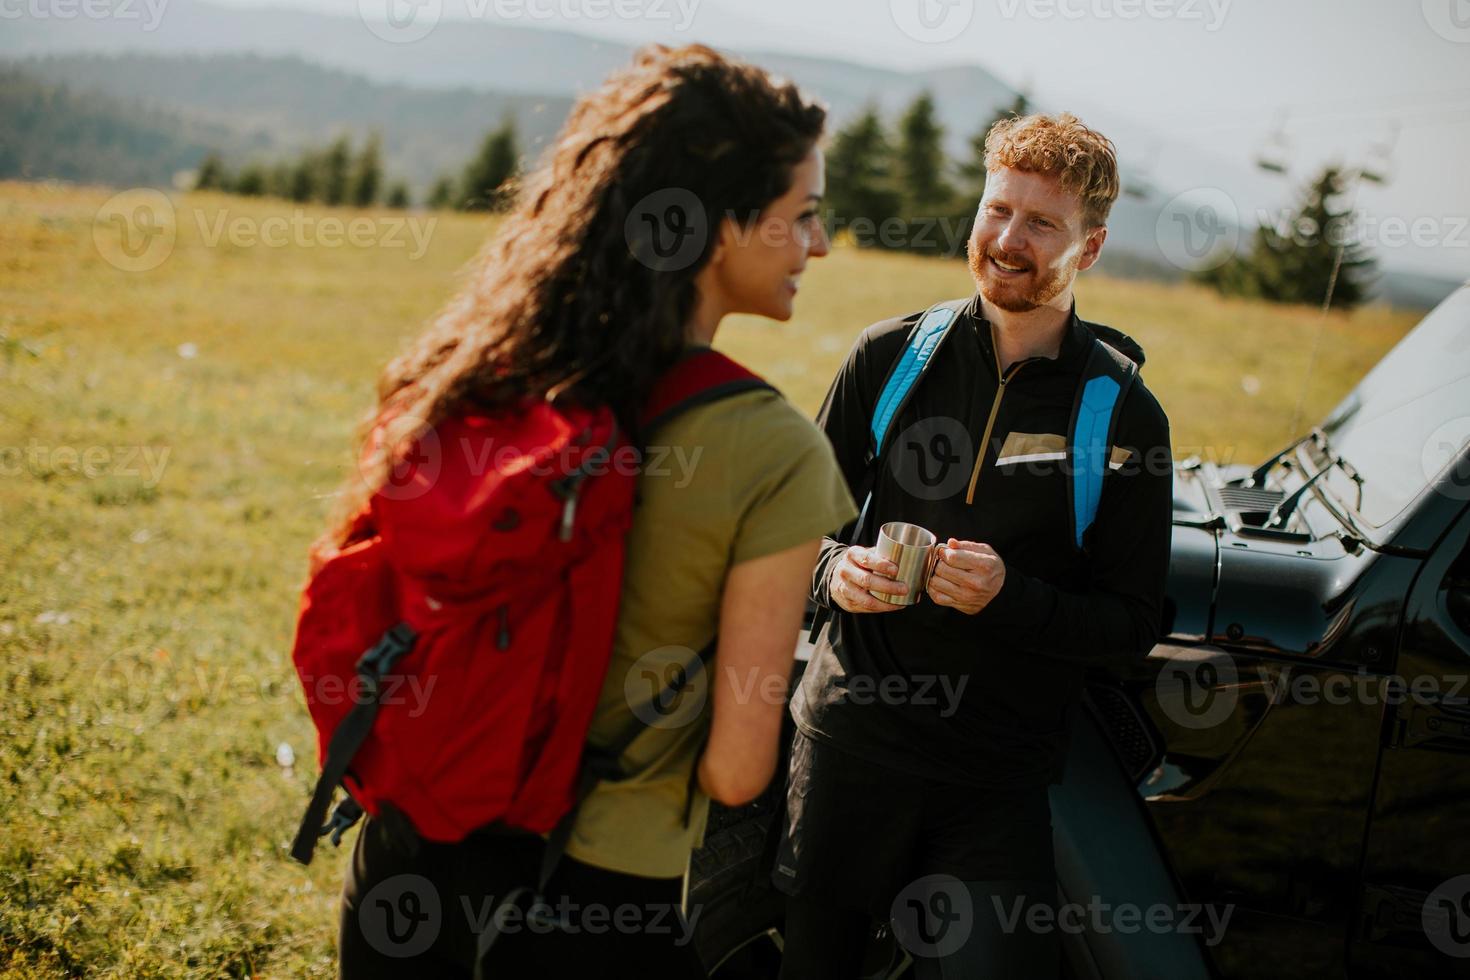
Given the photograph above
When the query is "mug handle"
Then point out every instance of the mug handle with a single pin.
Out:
(929, 565)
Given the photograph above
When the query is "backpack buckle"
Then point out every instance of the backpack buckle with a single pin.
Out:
(380, 658)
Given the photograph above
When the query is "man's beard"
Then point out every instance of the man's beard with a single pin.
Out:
(1012, 295)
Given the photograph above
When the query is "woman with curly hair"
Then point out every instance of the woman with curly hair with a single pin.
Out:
(683, 190)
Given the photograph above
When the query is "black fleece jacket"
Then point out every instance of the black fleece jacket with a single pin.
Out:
(986, 699)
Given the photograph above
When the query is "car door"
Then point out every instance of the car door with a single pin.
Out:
(1262, 793)
(1414, 911)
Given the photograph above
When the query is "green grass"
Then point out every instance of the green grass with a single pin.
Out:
(145, 622)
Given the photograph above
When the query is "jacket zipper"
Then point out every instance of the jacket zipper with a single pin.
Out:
(1000, 392)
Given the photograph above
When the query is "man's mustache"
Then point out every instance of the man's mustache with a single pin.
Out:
(1005, 258)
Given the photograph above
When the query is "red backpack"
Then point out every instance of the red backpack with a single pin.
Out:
(452, 653)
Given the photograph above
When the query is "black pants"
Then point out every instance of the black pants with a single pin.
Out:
(419, 913)
(956, 871)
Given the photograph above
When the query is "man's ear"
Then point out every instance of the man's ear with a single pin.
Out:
(1092, 248)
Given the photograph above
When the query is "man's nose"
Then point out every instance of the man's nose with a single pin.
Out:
(1012, 237)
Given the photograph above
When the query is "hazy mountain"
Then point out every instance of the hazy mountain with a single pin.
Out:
(59, 130)
(276, 106)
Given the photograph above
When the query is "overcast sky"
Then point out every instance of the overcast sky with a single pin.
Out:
(1336, 77)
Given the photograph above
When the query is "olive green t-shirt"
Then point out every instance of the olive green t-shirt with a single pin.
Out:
(724, 483)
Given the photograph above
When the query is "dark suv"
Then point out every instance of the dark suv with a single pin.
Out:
(1287, 775)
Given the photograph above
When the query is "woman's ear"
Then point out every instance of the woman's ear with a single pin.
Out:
(724, 241)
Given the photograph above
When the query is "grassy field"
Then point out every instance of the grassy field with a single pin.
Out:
(168, 441)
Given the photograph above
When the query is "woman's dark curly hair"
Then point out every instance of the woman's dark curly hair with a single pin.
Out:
(560, 303)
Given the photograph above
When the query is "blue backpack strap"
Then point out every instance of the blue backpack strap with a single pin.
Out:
(924, 341)
(1100, 394)
(903, 377)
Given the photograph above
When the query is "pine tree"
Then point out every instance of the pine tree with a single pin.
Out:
(1293, 260)
(252, 181)
(485, 184)
(367, 174)
(212, 175)
(305, 178)
(441, 195)
(279, 180)
(860, 191)
(921, 160)
(335, 163)
(398, 196)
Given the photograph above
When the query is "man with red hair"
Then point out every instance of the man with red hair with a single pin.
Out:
(928, 734)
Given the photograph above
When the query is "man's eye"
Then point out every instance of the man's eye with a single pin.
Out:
(1042, 222)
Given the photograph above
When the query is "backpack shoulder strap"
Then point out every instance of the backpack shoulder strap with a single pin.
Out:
(1101, 391)
(903, 377)
(698, 378)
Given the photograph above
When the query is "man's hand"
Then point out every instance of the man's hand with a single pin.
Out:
(859, 570)
(967, 576)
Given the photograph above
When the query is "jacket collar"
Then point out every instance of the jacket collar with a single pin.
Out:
(1076, 339)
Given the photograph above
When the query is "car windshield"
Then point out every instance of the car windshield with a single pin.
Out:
(1409, 418)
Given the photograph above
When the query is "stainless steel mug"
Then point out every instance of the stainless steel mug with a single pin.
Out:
(913, 550)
